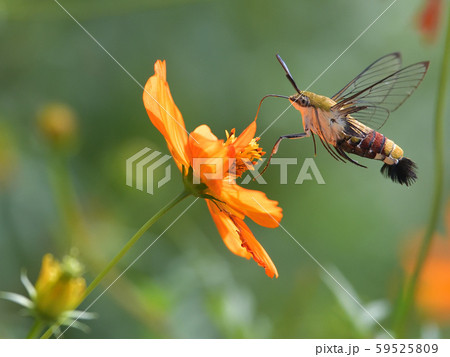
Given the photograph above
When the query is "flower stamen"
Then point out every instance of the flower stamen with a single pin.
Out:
(247, 157)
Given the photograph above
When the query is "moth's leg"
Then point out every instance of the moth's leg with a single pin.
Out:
(277, 144)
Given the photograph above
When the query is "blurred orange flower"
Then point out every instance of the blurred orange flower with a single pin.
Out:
(210, 167)
(429, 18)
(433, 288)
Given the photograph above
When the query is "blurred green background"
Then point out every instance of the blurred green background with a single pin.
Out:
(220, 62)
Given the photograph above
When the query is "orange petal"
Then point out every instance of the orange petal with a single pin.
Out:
(203, 132)
(433, 288)
(165, 115)
(250, 243)
(209, 151)
(246, 136)
(203, 143)
(227, 230)
(253, 204)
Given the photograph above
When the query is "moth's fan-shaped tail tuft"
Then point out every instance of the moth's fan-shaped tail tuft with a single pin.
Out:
(403, 172)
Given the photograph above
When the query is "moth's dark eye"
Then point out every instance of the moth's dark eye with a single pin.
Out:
(304, 102)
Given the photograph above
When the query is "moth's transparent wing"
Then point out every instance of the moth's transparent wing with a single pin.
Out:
(377, 71)
(372, 116)
(373, 104)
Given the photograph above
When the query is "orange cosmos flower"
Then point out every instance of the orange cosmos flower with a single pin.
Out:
(433, 289)
(428, 19)
(210, 167)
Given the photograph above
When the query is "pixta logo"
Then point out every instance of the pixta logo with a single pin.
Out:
(142, 167)
(145, 168)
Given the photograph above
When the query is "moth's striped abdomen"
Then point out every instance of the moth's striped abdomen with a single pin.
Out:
(377, 146)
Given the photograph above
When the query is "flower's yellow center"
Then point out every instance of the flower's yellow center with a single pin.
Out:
(246, 157)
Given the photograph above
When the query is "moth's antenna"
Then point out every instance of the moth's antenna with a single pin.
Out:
(288, 74)
(267, 96)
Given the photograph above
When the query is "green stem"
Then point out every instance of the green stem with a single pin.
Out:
(409, 292)
(35, 329)
(126, 248)
(65, 200)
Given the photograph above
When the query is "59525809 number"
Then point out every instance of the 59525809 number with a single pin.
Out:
(403, 348)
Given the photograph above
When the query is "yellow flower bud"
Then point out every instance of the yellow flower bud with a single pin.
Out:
(59, 287)
(58, 124)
